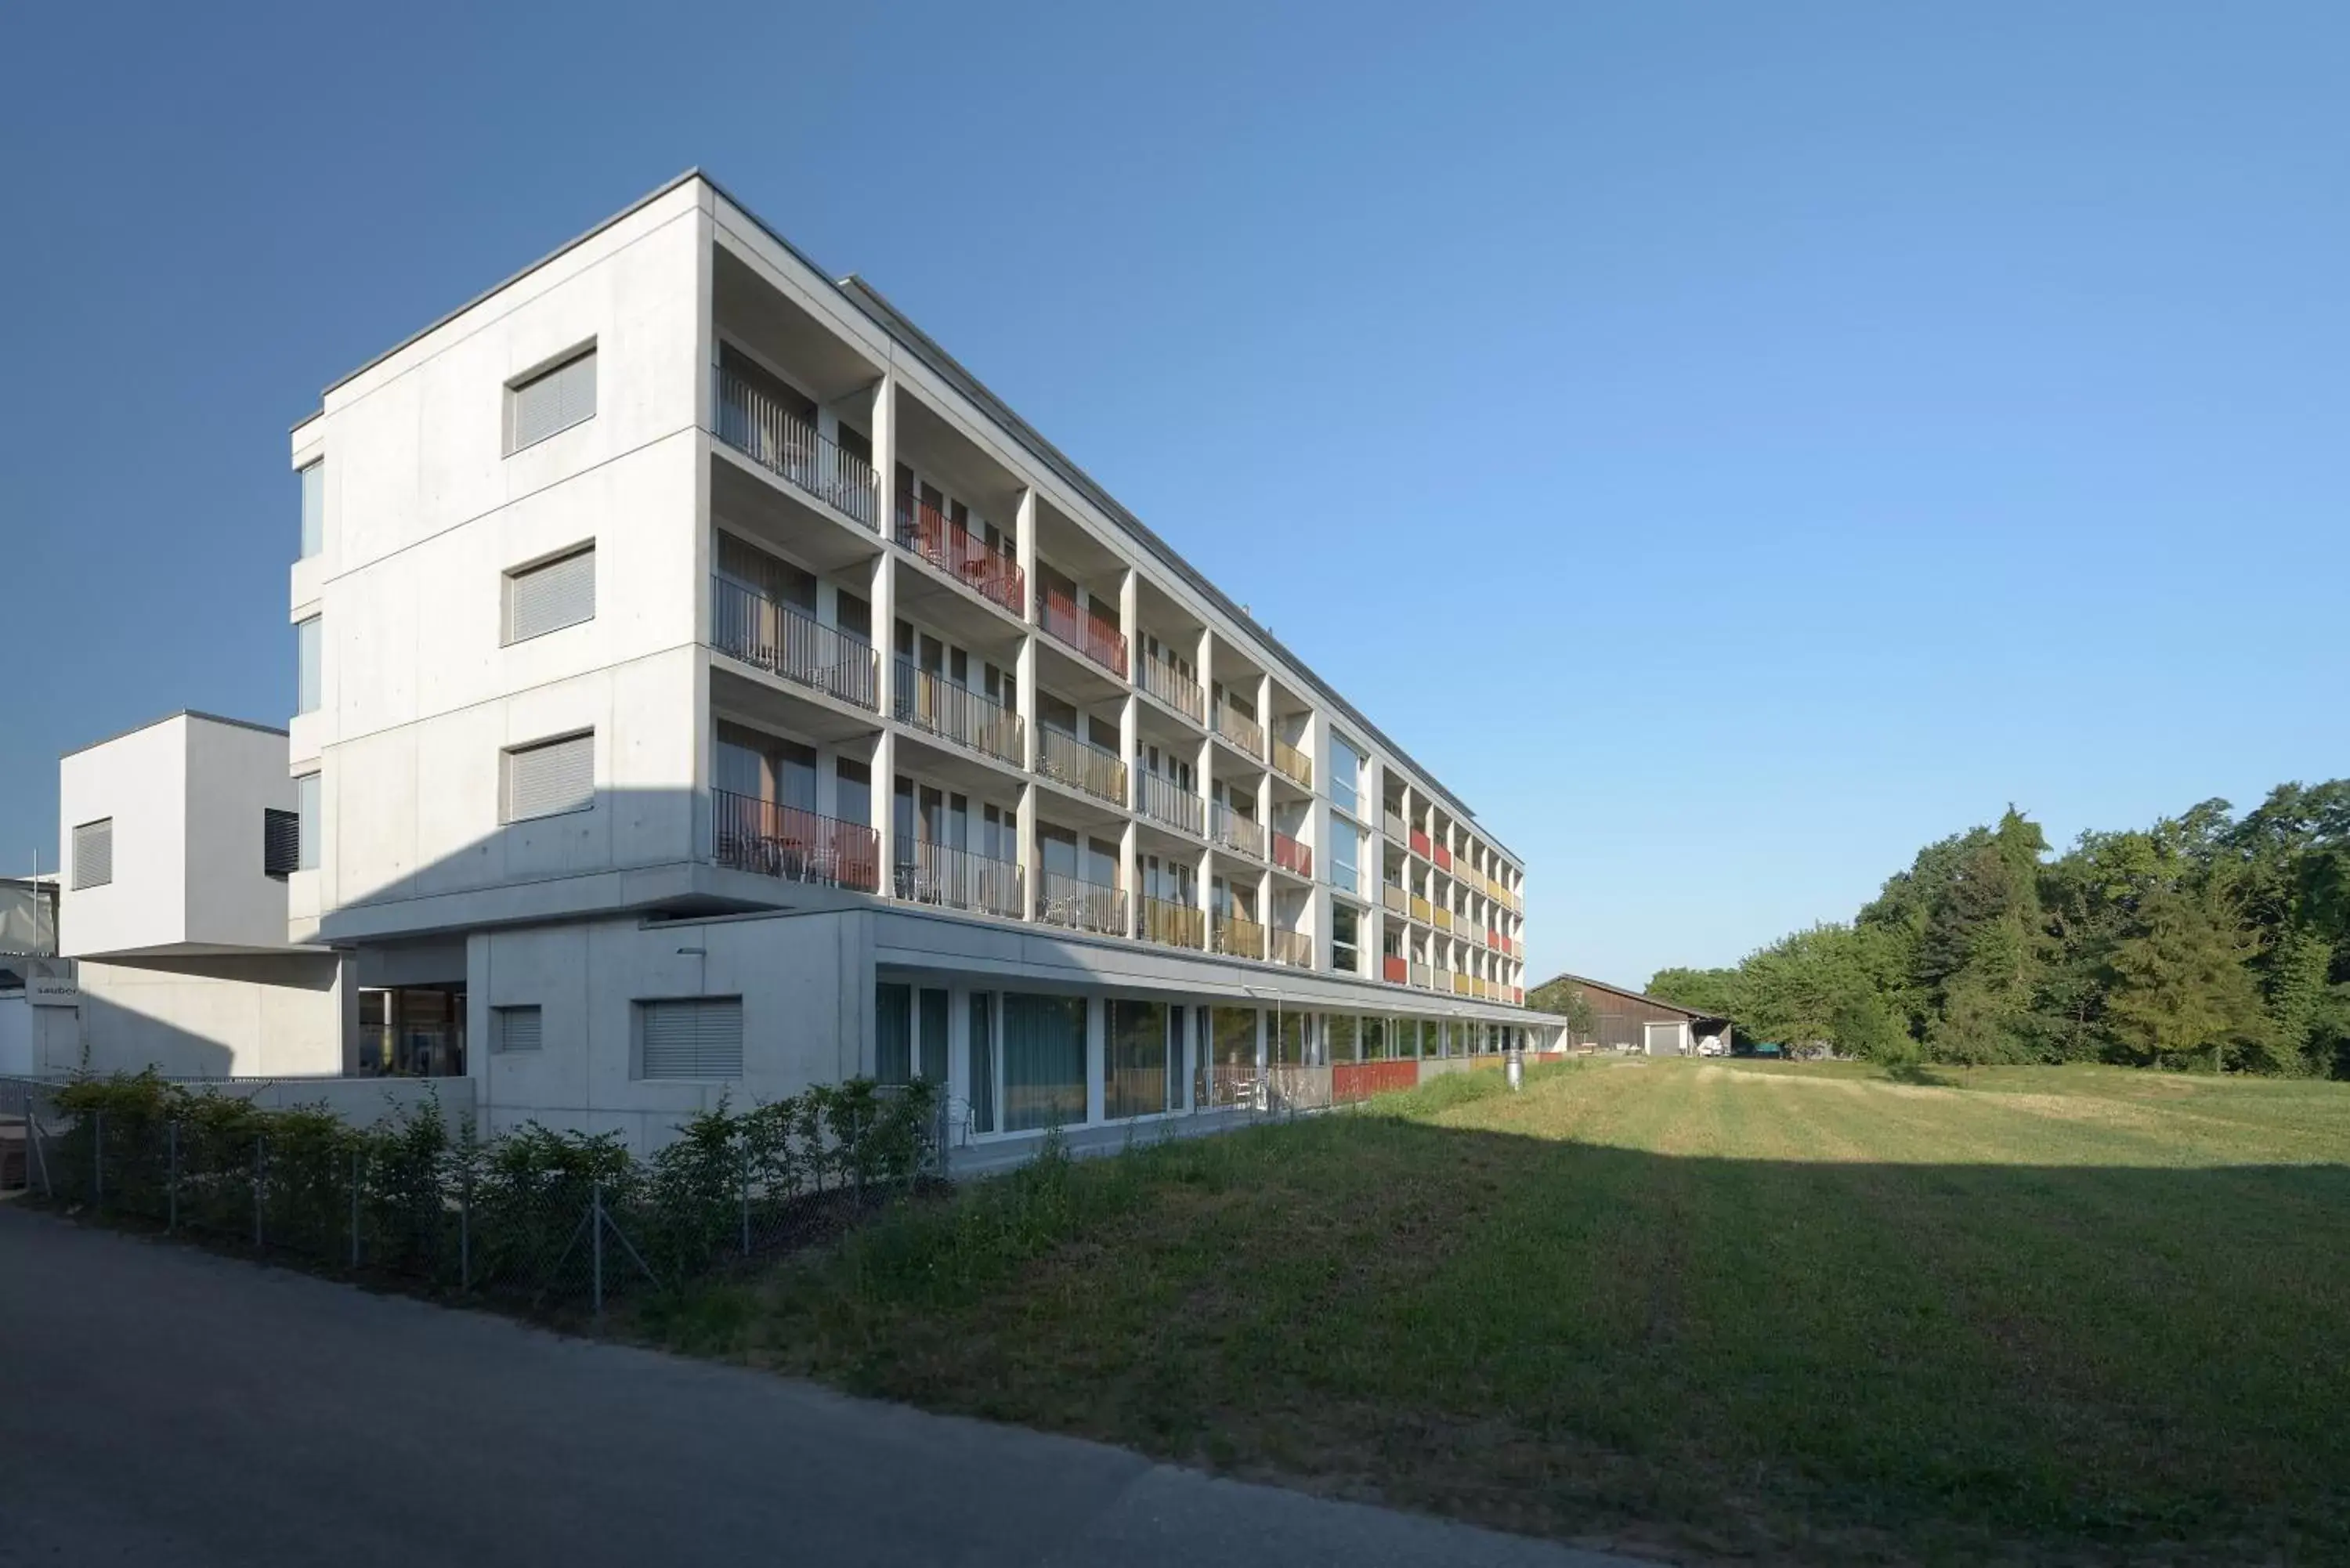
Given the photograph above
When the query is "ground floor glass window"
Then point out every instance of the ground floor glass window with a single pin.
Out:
(1044, 1061)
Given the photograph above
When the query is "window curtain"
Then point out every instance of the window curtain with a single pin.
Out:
(1134, 1063)
(982, 1064)
(934, 1037)
(893, 1033)
(1043, 1060)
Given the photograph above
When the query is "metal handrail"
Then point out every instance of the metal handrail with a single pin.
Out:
(1090, 635)
(1293, 764)
(1174, 688)
(962, 555)
(1175, 924)
(930, 702)
(1239, 729)
(1095, 770)
(784, 640)
(1163, 799)
(1080, 905)
(935, 874)
(1244, 835)
(1291, 856)
(1292, 948)
(1237, 937)
(749, 834)
(753, 423)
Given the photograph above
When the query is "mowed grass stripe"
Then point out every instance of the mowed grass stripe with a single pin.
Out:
(1701, 1307)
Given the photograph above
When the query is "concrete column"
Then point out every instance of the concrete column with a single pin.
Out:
(1130, 873)
(1096, 1051)
(1024, 544)
(1026, 850)
(1201, 894)
(885, 626)
(1129, 619)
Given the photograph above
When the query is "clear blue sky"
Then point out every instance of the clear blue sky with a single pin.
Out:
(1733, 444)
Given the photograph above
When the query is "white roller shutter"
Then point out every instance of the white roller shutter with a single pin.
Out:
(93, 853)
(515, 1028)
(696, 1037)
(552, 777)
(551, 401)
(551, 596)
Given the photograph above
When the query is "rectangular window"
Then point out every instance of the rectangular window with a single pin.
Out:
(893, 1033)
(934, 1037)
(307, 823)
(551, 595)
(980, 1065)
(305, 666)
(551, 777)
(552, 399)
(516, 1028)
(1134, 1059)
(692, 1037)
(1044, 1061)
(93, 853)
(1345, 928)
(312, 477)
(1346, 774)
(281, 842)
(1345, 848)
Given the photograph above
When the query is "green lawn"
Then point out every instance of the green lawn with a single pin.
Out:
(1785, 1312)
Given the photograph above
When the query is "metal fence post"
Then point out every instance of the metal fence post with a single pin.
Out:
(260, 1161)
(98, 1161)
(596, 1242)
(355, 1210)
(172, 1177)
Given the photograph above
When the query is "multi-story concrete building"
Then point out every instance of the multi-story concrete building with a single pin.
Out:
(707, 685)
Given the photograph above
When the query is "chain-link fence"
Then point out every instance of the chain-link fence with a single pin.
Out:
(540, 1218)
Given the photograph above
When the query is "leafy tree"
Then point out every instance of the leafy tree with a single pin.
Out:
(2182, 994)
(1713, 991)
(1563, 997)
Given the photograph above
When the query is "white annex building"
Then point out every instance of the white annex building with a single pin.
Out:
(706, 686)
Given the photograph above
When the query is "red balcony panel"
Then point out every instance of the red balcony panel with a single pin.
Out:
(1443, 857)
(1419, 844)
(962, 555)
(1361, 1080)
(1395, 969)
(1097, 639)
(1291, 856)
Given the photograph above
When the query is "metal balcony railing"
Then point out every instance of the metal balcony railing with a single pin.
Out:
(957, 880)
(1090, 635)
(1394, 898)
(1291, 856)
(1419, 844)
(1443, 918)
(748, 834)
(962, 555)
(1419, 909)
(1443, 857)
(1093, 769)
(1175, 689)
(1459, 985)
(1239, 729)
(1229, 828)
(1239, 938)
(1081, 906)
(1420, 976)
(1175, 924)
(1163, 800)
(1293, 764)
(753, 423)
(1391, 824)
(1292, 948)
(930, 702)
(1394, 970)
(784, 640)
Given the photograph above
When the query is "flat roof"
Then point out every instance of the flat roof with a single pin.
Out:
(181, 713)
(868, 302)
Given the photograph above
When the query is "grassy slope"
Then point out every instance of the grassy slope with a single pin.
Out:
(1706, 1308)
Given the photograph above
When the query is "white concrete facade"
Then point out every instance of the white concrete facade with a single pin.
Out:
(876, 689)
(184, 961)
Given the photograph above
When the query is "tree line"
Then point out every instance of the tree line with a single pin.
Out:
(2207, 941)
